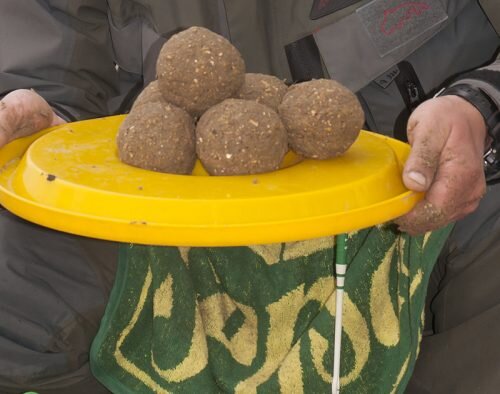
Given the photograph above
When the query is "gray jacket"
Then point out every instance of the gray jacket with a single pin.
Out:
(90, 58)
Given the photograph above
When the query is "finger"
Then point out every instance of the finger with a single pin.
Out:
(427, 140)
(444, 203)
(422, 218)
(57, 120)
(23, 112)
(426, 217)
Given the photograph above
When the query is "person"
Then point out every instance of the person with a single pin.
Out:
(66, 61)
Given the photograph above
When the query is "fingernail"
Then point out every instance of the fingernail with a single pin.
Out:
(417, 177)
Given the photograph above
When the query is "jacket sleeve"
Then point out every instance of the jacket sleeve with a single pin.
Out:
(62, 50)
(486, 78)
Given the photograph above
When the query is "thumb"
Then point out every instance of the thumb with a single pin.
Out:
(427, 143)
(24, 112)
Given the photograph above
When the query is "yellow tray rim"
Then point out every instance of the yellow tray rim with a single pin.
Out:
(157, 233)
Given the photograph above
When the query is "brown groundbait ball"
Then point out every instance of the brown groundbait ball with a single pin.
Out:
(323, 118)
(239, 137)
(150, 93)
(265, 89)
(159, 137)
(197, 69)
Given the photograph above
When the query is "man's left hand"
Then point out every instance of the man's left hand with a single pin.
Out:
(447, 135)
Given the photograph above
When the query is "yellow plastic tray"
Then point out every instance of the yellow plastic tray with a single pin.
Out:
(70, 178)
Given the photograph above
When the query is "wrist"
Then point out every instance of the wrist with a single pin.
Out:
(490, 114)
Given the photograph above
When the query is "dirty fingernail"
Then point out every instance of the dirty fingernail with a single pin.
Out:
(417, 177)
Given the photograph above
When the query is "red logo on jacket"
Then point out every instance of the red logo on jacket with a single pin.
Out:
(396, 18)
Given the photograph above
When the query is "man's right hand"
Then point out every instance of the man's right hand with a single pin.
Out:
(23, 112)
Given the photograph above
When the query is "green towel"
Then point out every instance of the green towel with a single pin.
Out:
(260, 319)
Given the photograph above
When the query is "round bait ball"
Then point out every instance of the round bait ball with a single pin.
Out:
(322, 117)
(197, 69)
(149, 94)
(239, 137)
(158, 136)
(265, 89)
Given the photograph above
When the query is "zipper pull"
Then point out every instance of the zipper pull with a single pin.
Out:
(413, 94)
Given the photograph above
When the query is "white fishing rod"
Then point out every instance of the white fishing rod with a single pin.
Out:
(340, 271)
